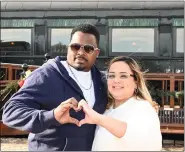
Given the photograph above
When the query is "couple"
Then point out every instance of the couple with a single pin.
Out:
(65, 106)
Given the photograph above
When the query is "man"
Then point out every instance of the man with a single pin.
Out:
(24, 74)
(47, 56)
(46, 105)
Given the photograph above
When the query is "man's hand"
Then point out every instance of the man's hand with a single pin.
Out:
(61, 113)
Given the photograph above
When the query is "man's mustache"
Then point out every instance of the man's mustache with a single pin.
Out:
(81, 57)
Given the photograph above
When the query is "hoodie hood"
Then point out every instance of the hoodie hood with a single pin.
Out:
(97, 78)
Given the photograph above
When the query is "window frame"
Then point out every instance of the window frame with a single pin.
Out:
(32, 40)
(174, 52)
(49, 38)
(91, 20)
(143, 54)
(68, 27)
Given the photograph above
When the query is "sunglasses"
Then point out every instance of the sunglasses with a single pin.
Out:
(88, 48)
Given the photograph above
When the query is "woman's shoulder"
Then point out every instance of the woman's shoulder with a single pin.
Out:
(144, 106)
(144, 112)
(142, 102)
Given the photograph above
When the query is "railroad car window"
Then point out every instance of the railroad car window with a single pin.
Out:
(60, 38)
(16, 35)
(180, 40)
(15, 41)
(133, 40)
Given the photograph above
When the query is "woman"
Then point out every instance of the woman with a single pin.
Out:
(130, 122)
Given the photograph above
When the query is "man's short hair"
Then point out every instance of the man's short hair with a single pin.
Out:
(87, 28)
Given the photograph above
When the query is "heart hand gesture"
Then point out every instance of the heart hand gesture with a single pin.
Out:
(91, 116)
(61, 113)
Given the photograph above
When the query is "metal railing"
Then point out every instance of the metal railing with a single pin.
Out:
(171, 115)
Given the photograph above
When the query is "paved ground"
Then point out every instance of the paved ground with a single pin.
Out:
(20, 144)
(14, 144)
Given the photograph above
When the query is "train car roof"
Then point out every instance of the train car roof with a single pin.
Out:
(23, 5)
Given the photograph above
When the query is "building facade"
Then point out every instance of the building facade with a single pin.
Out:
(150, 32)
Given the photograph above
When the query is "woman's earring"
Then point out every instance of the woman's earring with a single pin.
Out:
(136, 91)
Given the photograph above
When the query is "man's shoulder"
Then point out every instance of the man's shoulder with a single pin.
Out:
(45, 70)
(50, 66)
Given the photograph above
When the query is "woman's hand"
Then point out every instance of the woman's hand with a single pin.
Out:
(91, 116)
(114, 126)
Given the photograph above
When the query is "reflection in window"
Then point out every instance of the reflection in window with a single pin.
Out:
(133, 40)
(16, 35)
(60, 38)
(180, 40)
(15, 41)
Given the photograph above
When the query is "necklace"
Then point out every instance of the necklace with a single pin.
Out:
(78, 80)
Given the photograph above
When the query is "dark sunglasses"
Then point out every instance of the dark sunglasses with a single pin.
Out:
(89, 49)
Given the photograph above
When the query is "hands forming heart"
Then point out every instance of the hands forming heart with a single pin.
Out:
(91, 116)
(62, 115)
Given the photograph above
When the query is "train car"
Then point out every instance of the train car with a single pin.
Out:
(152, 32)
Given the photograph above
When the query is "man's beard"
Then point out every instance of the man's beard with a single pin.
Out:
(79, 68)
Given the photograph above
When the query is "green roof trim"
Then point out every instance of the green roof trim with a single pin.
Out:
(18, 23)
(68, 22)
(133, 22)
(178, 22)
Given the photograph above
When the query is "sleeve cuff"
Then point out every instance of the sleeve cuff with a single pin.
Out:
(49, 118)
